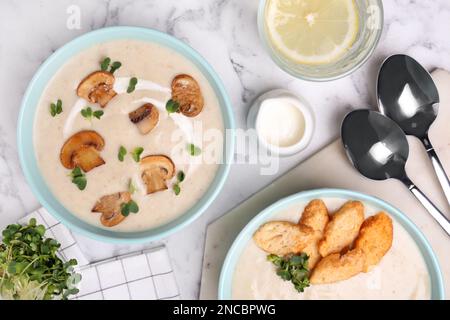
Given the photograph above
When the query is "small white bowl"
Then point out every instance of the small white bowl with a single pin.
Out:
(302, 105)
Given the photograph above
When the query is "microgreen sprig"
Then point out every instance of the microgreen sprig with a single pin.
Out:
(56, 108)
(194, 150)
(172, 106)
(106, 62)
(176, 188)
(136, 153)
(115, 65)
(88, 113)
(292, 268)
(132, 85)
(132, 187)
(122, 153)
(78, 178)
(126, 208)
(180, 178)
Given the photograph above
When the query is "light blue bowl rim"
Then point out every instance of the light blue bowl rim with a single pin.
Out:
(26, 123)
(227, 272)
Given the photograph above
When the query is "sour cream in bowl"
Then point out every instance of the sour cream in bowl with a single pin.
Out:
(283, 122)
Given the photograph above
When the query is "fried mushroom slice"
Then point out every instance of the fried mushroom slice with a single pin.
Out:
(145, 118)
(375, 238)
(87, 158)
(315, 215)
(282, 237)
(186, 91)
(76, 151)
(110, 207)
(156, 170)
(97, 88)
(337, 267)
(342, 229)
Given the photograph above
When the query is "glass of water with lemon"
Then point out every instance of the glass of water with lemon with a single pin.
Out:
(320, 40)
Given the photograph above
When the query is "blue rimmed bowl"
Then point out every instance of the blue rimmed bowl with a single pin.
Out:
(241, 241)
(26, 124)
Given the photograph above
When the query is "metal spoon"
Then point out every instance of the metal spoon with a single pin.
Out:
(407, 94)
(378, 148)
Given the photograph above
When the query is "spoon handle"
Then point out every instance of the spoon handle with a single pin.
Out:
(438, 168)
(443, 221)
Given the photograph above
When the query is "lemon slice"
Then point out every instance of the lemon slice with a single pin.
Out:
(312, 31)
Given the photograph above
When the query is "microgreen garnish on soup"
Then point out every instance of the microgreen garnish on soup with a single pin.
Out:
(56, 108)
(122, 153)
(78, 178)
(176, 188)
(98, 114)
(88, 113)
(126, 208)
(132, 187)
(172, 106)
(105, 64)
(194, 150)
(136, 153)
(132, 85)
(180, 178)
(115, 65)
(292, 268)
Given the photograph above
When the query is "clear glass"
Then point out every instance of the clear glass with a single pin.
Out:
(370, 29)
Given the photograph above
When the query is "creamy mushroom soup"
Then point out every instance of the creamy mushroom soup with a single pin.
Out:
(123, 148)
(401, 274)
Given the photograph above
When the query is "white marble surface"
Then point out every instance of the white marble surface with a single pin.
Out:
(224, 32)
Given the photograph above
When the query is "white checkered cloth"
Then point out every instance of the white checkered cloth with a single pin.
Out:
(144, 275)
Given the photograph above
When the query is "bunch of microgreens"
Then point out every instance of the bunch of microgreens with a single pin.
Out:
(292, 268)
(30, 268)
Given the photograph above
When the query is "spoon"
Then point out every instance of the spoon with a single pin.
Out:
(378, 149)
(407, 94)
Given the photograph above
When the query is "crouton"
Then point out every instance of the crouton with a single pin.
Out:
(283, 238)
(375, 238)
(342, 229)
(337, 267)
(315, 216)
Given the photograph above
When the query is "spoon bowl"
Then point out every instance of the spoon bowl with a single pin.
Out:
(375, 144)
(407, 94)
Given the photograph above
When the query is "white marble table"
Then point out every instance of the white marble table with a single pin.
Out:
(225, 33)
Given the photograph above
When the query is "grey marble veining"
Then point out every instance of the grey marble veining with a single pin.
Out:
(225, 33)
